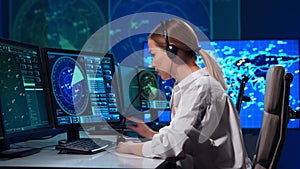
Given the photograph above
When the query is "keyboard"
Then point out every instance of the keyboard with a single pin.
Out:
(84, 146)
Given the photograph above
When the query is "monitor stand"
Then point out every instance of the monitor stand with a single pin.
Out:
(73, 134)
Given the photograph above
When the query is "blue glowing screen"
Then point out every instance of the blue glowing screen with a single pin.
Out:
(252, 58)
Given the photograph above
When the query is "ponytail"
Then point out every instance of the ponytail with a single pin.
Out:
(213, 68)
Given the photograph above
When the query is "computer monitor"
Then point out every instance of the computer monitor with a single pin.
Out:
(155, 94)
(144, 93)
(23, 108)
(252, 58)
(81, 87)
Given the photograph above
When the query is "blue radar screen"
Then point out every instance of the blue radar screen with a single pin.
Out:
(69, 85)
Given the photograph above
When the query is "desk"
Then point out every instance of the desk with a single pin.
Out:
(49, 158)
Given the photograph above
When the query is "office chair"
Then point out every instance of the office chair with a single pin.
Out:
(275, 118)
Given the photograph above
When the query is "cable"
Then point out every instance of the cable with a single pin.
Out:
(121, 138)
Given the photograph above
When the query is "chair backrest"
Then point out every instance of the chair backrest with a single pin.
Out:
(275, 118)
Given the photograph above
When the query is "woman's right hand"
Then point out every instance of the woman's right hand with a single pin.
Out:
(141, 128)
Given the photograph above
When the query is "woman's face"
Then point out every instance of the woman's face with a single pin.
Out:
(161, 62)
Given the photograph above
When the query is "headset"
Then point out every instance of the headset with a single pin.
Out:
(171, 49)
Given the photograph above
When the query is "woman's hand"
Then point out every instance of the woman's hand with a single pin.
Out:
(141, 128)
(130, 148)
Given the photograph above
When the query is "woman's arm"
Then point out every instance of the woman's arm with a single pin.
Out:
(130, 148)
(141, 128)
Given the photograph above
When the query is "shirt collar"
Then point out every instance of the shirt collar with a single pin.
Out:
(190, 78)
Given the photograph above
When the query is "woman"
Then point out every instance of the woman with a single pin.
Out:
(204, 131)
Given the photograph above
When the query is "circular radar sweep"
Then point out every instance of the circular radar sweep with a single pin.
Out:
(70, 86)
(149, 84)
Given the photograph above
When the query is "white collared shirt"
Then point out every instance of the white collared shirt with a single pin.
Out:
(201, 107)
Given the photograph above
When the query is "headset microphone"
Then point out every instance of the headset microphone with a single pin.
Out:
(171, 50)
(121, 138)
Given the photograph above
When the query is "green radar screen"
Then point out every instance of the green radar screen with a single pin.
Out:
(57, 24)
(70, 86)
(148, 82)
(150, 91)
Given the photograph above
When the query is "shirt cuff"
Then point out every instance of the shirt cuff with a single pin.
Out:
(147, 149)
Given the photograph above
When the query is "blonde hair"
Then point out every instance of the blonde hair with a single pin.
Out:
(184, 38)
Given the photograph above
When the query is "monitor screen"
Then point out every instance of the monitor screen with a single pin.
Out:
(155, 94)
(81, 87)
(252, 58)
(164, 116)
(23, 96)
(144, 94)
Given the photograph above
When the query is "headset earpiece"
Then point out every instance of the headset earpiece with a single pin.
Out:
(171, 50)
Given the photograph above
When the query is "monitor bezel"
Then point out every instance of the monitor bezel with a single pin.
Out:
(41, 130)
(52, 102)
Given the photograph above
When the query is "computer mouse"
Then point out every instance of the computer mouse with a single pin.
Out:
(62, 141)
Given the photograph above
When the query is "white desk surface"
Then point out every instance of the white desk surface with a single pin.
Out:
(50, 158)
